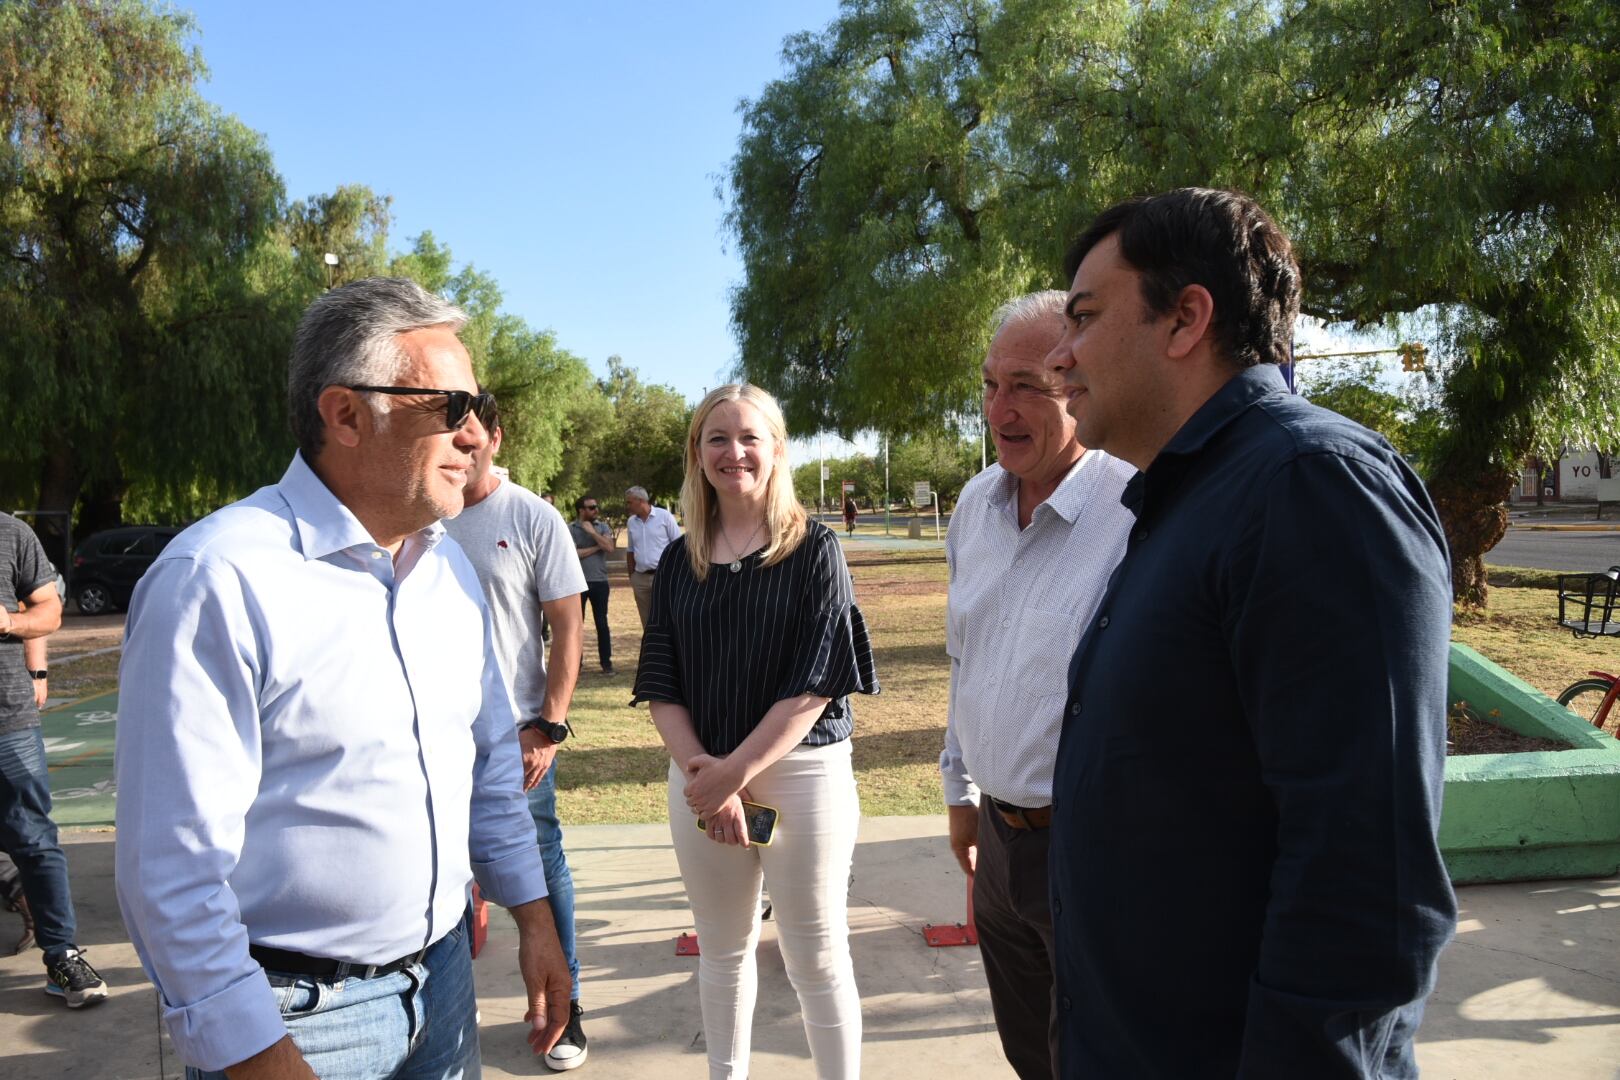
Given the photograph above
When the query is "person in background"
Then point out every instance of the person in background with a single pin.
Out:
(849, 515)
(1031, 544)
(651, 530)
(753, 647)
(594, 542)
(524, 556)
(31, 609)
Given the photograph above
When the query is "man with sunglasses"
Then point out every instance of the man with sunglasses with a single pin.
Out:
(520, 547)
(594, 542)
(316, 749)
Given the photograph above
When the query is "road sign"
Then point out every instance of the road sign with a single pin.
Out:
(826, 472)
(849, 487)
(920, 493)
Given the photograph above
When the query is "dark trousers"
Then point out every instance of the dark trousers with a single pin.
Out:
(596, 594)
(28, 835)
(1014, 918)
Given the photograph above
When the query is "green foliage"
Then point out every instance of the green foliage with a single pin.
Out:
(622, 432)
(1402, 408)
(944, 460)
(143, 296)
(1454, 166)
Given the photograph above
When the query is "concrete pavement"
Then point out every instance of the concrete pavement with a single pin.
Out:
(1530, 987)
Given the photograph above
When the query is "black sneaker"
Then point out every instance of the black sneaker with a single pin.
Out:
(607, 669)
(71, 978)
(569, 1053)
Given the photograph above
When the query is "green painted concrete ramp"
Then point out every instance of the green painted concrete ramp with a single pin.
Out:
(79, 752)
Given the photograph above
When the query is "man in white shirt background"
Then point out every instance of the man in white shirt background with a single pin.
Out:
(1031, 546)
(525, 559)
(316, 752)
(652, 529)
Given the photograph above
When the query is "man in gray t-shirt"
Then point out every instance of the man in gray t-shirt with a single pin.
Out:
(525, 559)
(27, 832)
(594, 541)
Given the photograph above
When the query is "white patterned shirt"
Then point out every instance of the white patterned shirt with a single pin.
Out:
(1018, 601)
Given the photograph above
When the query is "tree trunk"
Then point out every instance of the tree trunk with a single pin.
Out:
(59, 483)
(1473, 511)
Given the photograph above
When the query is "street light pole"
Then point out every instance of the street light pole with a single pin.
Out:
(330, 260)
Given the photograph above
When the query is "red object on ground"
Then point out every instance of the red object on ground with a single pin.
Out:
(480, 927)
(686, 945)
(939, 937)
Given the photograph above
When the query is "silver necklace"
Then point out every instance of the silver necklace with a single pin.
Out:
(736, 562)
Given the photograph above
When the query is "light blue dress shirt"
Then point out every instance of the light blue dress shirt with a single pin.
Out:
(316, 752)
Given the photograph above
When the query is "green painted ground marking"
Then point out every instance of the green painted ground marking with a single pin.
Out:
(79, 753)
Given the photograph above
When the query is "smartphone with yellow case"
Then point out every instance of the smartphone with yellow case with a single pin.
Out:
(761, 821)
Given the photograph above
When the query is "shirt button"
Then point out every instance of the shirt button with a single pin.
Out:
(1141, 535)
(376, 554)
(1063, 1003)
(1102, 623)
(1074, 710)
(1057, 906)
(1005, 623)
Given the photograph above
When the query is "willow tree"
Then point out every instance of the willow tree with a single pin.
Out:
(141, 284)
(1467, 173)
(1451, 165)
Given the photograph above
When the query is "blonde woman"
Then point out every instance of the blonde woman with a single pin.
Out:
(753, 647)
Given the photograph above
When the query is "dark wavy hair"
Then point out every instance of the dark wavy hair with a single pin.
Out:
(1221, 240)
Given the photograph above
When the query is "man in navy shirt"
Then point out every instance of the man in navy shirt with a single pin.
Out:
(1245, 877)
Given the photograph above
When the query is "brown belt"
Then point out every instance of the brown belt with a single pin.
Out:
(1022, 818)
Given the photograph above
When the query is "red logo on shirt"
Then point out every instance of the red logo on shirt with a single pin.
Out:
(500, 543)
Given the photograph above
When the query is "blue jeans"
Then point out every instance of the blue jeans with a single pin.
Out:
(28, 835)
(559, 881)
(416, 1024)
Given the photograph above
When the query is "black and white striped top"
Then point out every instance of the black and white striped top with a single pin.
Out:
(732, 646)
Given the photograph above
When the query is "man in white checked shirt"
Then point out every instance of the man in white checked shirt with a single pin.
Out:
(1031, 546)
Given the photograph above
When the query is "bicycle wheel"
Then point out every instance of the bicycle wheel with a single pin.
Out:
(1584, 697)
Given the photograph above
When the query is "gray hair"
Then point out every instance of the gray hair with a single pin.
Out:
(1032, 307)
(349, 337)
(637, 492)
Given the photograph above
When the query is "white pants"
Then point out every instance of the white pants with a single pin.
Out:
(806, 868)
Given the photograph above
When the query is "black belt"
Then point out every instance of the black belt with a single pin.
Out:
(1023, 817)
(297, 963)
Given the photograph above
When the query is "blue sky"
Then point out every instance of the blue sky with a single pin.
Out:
(570, 150)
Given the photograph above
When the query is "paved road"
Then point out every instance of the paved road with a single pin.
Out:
(1570, 551)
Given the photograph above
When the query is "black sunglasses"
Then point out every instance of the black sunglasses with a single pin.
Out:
(458, 404)
(589, 506)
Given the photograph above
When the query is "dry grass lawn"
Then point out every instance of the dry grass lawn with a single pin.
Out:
(615, 771)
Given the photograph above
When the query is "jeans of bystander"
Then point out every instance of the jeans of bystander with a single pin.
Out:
(559, 880)
(28, 834)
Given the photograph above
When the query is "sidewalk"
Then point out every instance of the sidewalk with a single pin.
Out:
(1564, 517)
(1530, 987)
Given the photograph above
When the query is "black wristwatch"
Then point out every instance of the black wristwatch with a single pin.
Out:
(40, 674)
(555, 732)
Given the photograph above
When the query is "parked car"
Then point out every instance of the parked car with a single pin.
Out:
(108, 564)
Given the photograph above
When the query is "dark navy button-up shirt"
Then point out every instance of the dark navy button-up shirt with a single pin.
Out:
(1248, 785)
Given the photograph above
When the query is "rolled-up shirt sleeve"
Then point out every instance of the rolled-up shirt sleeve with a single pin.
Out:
(500, 840)
(187, 765)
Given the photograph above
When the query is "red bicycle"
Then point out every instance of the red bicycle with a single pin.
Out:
(1589, 607)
